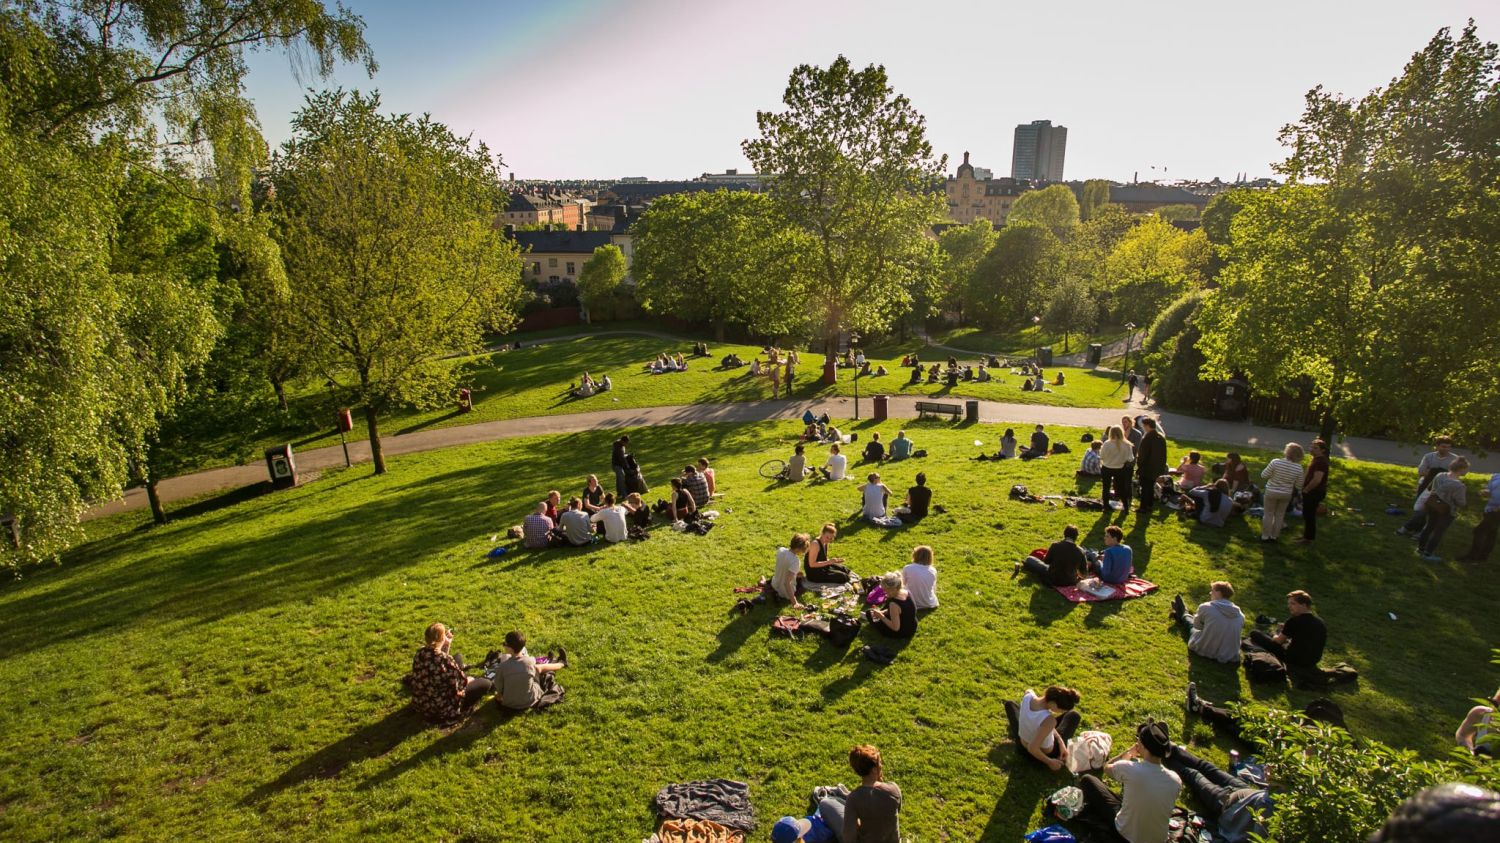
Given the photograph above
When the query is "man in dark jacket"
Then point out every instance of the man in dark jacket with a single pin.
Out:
(1150, 463)
(1065, 562)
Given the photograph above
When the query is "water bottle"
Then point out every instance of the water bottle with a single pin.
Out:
(1234, 759)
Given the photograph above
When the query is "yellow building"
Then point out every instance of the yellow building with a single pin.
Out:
(971, 198)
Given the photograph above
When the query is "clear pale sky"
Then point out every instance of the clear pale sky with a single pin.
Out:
(668, 88)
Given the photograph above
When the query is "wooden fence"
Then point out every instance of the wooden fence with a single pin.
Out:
(1282, 411)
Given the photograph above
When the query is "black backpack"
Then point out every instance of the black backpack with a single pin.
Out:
(1263, 668)
(842, 631)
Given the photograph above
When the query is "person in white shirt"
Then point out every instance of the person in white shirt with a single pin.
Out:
(1282, 475)
(834, 468)
(875, 494)
(1144, 813)
(921, 578)
(612, 516)
(1042, 724)
(789, 568)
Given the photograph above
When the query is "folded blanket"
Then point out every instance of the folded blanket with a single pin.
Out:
(1133, 587)
(696, 831)
(719, 800)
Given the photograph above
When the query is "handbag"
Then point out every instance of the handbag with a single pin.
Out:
(1436, 505)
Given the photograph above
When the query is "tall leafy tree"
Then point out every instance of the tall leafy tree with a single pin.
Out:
(1012, 284)
(1070, 309)
(93, 96)
(386, 222)
(1053, 206)
(854, 171)
(963, 248)
(599, 279)
(1095, 196)
(1152, 265)
(723, 257)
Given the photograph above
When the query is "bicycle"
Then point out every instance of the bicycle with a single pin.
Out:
(773, 469)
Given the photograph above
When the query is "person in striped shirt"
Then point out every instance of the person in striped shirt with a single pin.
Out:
(1282, 475)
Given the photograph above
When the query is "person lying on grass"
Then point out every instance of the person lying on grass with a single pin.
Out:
(818, 566)
(440, 690)
(1041, 726)
(875, 496)
(681, 506)
(897, 617)
(784, 580)
(522, 683)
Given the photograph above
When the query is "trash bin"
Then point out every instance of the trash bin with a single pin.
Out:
(881, 408)
(1232, 400)
(282, 467)
(971, 411)
(830, 371)
(465, 400)
(1096, 353)
(343, 420)
(1044, 355)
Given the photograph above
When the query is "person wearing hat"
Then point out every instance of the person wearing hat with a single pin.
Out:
(1144, 812)
(809, 829)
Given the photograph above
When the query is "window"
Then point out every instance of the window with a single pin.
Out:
(570, 267)
(552, 263)
(554, 279)
(536, 267)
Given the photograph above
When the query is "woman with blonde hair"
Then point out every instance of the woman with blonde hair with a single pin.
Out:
(897, 617)
(1115, 457)
(1282, 475)
(440, 689)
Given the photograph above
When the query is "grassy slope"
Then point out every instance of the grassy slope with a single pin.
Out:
(235, 673)
(535, 381)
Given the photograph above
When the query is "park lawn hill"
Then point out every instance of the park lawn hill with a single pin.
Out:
(236, 673)
(537, 380)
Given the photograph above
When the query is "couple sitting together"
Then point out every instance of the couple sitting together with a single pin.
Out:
(587, 386)
(442, 690)
(1065, 563)
(901, 448)
(875, 496)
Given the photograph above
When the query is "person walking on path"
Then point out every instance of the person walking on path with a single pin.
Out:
(1483, 541)
(1314, 490)
(1130, 385)
(1445, 498)
(1282, 475)
(1150, 463)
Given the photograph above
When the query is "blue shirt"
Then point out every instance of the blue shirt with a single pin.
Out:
(1492, 504)
(1115, 564)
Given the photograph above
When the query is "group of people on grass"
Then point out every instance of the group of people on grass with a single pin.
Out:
(588, 387)
(667, 362)
(442, 690)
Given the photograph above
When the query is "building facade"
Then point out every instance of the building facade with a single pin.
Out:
(1039, 150)
(555, 256)
(971, 197)
(532, 208)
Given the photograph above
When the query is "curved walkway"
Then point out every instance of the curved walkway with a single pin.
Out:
(1178, 428)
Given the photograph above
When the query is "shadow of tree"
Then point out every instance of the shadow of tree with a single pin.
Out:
(373, 741)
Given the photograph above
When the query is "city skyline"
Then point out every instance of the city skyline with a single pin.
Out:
(667, 90)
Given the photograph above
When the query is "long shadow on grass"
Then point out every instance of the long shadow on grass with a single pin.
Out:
(735, 633)
(372, 741)
(1024, 787)
(483, 721)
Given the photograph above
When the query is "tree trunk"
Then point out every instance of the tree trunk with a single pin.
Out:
(376, 455)
(719, 332)
(280, 394)
(158, 512)
(1330, 426)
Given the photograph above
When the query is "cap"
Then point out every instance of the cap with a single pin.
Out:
(789, 830)
(1153, 736)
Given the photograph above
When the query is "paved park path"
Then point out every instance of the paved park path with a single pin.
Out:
(1177, 427)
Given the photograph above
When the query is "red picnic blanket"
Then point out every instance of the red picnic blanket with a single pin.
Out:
(1133, 587)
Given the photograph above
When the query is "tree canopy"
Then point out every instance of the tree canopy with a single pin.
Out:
(599, 279)
(1013, 283)
(1053, 206)
(1153, 264)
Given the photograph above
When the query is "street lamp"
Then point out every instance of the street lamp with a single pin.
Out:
(1129, 341)
(854, 344)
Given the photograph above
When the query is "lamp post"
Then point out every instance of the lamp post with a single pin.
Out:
(1129, 342)
(854, 344)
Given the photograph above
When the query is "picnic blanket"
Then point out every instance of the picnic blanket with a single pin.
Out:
(1133, 587)
(718, 800)
(695, 831)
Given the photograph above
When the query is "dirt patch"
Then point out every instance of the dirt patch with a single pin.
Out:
(82, 739)
(366, 675)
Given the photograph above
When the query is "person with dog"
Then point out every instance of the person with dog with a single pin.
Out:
(897, 617)
(818, 566)
(1065, 563)
(522, 683)
(440, 690)
(1143, 814)
(1216, 626)
(1300, 641)
(1041, 726)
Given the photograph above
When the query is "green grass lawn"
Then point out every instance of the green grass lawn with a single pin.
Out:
(235, 674)
(536, 381)
(1025, 341)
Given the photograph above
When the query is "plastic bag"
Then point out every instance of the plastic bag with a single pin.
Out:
(1067, 802)
(1051, 834)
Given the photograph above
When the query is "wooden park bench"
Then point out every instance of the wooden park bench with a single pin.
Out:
(937, 408)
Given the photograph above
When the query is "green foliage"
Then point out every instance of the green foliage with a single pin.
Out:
(418, 270)
(855, 172)
(720, 257)
(963, 248)
(1175, 213)
(1095, 197)
(1153, 264)
(1012, 283)
(1070, 309)
(1332, 787)
(1054, 207)
(599, 279)
(1216, 219)
(1170, 353)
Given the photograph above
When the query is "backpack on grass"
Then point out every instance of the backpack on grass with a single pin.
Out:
(786, 626)
(1262, 668)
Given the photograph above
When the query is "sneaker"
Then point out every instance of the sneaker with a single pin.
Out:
(1194, 704)
(1178, 608)
(1173, 505)
(1401, 531)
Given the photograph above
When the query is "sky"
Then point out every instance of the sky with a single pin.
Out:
(667, 89)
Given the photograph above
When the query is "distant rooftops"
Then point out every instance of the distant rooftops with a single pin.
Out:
(542, 242)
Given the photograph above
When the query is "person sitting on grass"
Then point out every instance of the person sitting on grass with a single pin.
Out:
(1236, 806)
(574, 525)
(636, 511)
(554, 505)
(593, 495)
(871, 813)
(901, 447)
(586, 389)
(831, 434)
(897, 617)
(818, 566)
(1216, 626)
(681, 506)
(1300, 641)
(440, 690)
(934, 373)
(982, 375)
(605, 384)
(834, 468)
(1040, 444)
(918, 500)
(696, 484)
(613, 518)
(1065, 562)
(1007, 445)
(1212, 504)
(1190, 471)
(812, 433)
(536, 528)
(681, 363)
(755, 368)
(1059, 380)
(1041, 726)
(921, 578)
(788, 569)
(524, 684)
(875, 497)
(874, 450)
(1116, 564)
(1093, 463)
(1039, 384)
(1144, 813)
(707, 472)
(796, 467)
(916, 373)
